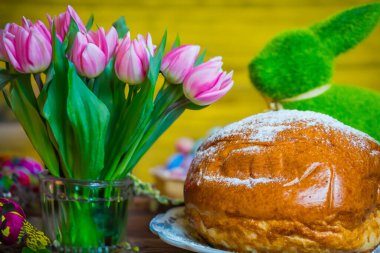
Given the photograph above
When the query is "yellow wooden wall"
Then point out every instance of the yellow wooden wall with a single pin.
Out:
(236, 30)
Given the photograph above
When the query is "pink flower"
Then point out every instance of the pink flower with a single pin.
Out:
(111, 38)
(178, 62)
(133, 57)
(28, 48)
(207, 83)
(91, 52)
(62, 23)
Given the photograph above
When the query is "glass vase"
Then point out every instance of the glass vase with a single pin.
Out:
(85, 215)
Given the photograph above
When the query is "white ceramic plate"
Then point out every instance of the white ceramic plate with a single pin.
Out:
(172, 228)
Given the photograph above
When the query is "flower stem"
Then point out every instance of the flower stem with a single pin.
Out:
(91, 84)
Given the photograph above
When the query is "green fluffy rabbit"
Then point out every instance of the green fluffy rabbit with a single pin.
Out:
(295, 69)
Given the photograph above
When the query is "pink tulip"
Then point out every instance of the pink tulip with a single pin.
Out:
(178, 62)
(27, 48)
(133, 57)
(91, 52)
(62, 23)
(207, 83)
(111, 38)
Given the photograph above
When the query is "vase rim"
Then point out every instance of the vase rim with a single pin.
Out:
(45, 175)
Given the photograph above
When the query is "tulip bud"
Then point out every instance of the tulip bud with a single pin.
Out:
(28, 48)
(111, 39)
(62, 23)
(133, 57)
(207, 83)
(88, 58)
(178, 62)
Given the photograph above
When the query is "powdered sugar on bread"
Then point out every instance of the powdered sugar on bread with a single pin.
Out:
(265, 127)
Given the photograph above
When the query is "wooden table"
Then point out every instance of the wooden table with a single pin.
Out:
(139, 233)
(138, 229)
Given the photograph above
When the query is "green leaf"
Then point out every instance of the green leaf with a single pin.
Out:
(90, 22)
(155, 62)
(165, 98)
(26, 111)
(156, 130)
(195, 107)
(70, 36)
(89, 118)
(200, 58)
(128, 129)
(49, 73)
(102, 86)
(5, 78)
(121, 27)
(55, 111)
(177, 42)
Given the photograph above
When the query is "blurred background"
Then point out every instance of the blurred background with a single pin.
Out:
(236, 30)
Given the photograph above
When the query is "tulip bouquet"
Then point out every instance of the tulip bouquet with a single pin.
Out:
(88, 99)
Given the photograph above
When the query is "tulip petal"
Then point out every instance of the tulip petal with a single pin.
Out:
(178, 63)
(77, 49)
(93, 61)
(206, 83)
(112, 39)
(134, 68)
(132, 60)
(75, 16)
(39, 53)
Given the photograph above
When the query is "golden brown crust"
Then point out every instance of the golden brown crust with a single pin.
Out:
(249, 235)
(314, 172)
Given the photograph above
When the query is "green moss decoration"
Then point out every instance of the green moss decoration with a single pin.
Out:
(291, 64)
(299, 61)
(344, 31)
(357, 107)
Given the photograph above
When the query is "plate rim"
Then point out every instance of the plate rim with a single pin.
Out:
(179, 244)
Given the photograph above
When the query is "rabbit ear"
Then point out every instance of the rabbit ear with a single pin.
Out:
(343, 31)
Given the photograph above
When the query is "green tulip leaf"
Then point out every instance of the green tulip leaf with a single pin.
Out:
(24, 107)
(90, 22)
(102, 85)
(5, 78)
(156, 131)
(177, 42)
(195, 107)
(89, 119)
(128, 129)
(155, 62)
(70, 36)
(121, 27)
(55, 111)
(200, 58)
